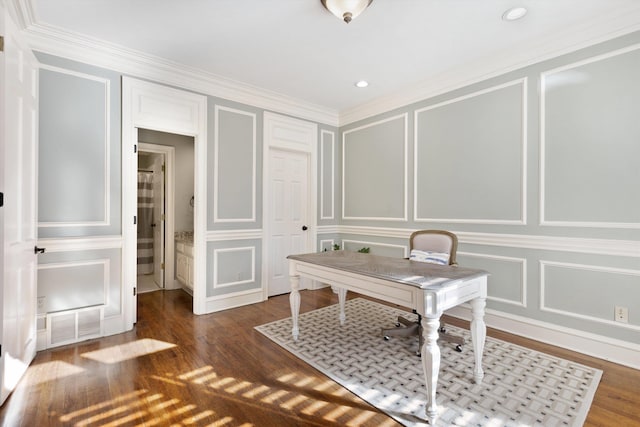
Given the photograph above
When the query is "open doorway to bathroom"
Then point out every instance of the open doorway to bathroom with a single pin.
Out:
(165, 210)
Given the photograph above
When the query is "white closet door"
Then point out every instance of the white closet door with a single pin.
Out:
(288, 214)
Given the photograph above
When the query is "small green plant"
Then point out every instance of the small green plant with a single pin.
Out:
(364, 250)
(336, 247)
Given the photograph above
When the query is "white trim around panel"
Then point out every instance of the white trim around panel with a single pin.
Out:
(543, 75)
(323, 241)
(594, 268)
(224, 235)
(388, 245)
(324, 132)
(624, 248)
(523, 276)
(107, 156)
(523, 165)
(80, 243)
(106, 268)
(216, 266)
(216, 143)
(405, 116)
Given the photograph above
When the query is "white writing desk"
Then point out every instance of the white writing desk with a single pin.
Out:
(428, 289)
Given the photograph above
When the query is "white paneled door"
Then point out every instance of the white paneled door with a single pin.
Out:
(288, 213)
(158, 221)
(18, 214)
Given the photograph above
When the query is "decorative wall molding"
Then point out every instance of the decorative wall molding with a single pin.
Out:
(331, 162)
(611, 270)
(222, 235)
(523, 276)
(105, 263)
(523, 160)
(542, 199)
(70, 244)
(216, 266)
(404, 248)
(216, 146)
(617, 351)
(577, 37)
(78, 47)
(323, 242)
(405, 118)
(106, 220)
(624, 248)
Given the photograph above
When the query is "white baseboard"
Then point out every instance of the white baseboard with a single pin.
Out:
(599, 346)
(227, 301)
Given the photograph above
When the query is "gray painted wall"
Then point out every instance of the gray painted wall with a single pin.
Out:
(546, 152)
(541, 157)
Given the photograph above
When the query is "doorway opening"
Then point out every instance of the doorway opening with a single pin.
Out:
(165, 210)
(152, 208)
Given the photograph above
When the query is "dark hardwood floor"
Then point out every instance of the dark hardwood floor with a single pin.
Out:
(178, 369)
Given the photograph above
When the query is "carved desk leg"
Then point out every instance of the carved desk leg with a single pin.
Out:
(430, 354)
(342, 297)
(478, 335)
(294, 302)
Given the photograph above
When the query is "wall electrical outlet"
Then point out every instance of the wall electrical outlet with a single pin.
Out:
(621, 314)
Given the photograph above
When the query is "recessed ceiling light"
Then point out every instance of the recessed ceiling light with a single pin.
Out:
(362, 83)
(514, 13)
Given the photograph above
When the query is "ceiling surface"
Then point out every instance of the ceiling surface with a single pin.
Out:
(298, 49)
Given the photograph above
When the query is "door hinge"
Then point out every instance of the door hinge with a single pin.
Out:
(162, 217)
(135, 148)
(135, 220)
(162, 266)
(162, 167)
(1, 44)
(134, 291)
(1, 200)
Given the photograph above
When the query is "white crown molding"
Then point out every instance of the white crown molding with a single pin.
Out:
(577, 37)
(81, 48)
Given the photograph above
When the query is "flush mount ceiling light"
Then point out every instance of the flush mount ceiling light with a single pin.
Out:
(346, 9)
(362, 83)
(514, 13)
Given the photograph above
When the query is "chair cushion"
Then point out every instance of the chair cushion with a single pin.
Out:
(441, 258)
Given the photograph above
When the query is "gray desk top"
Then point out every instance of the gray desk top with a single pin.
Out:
(420, 274)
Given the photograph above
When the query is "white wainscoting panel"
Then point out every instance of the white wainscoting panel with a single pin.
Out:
(577, 292)
(327, 172)
(219, 265)
(520, 263)
(480, 185)
(106, 188)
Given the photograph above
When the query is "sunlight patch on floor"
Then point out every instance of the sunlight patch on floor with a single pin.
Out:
(50, 371)
(120, 353)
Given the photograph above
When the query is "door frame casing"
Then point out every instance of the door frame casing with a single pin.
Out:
(288, 134)
(155, 107)
(169, 211)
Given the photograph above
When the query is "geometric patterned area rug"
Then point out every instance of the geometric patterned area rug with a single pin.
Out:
(521, 387)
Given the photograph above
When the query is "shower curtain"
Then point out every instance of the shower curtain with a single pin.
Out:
(145, 222)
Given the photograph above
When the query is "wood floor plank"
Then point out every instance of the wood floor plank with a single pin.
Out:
(175, 368)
